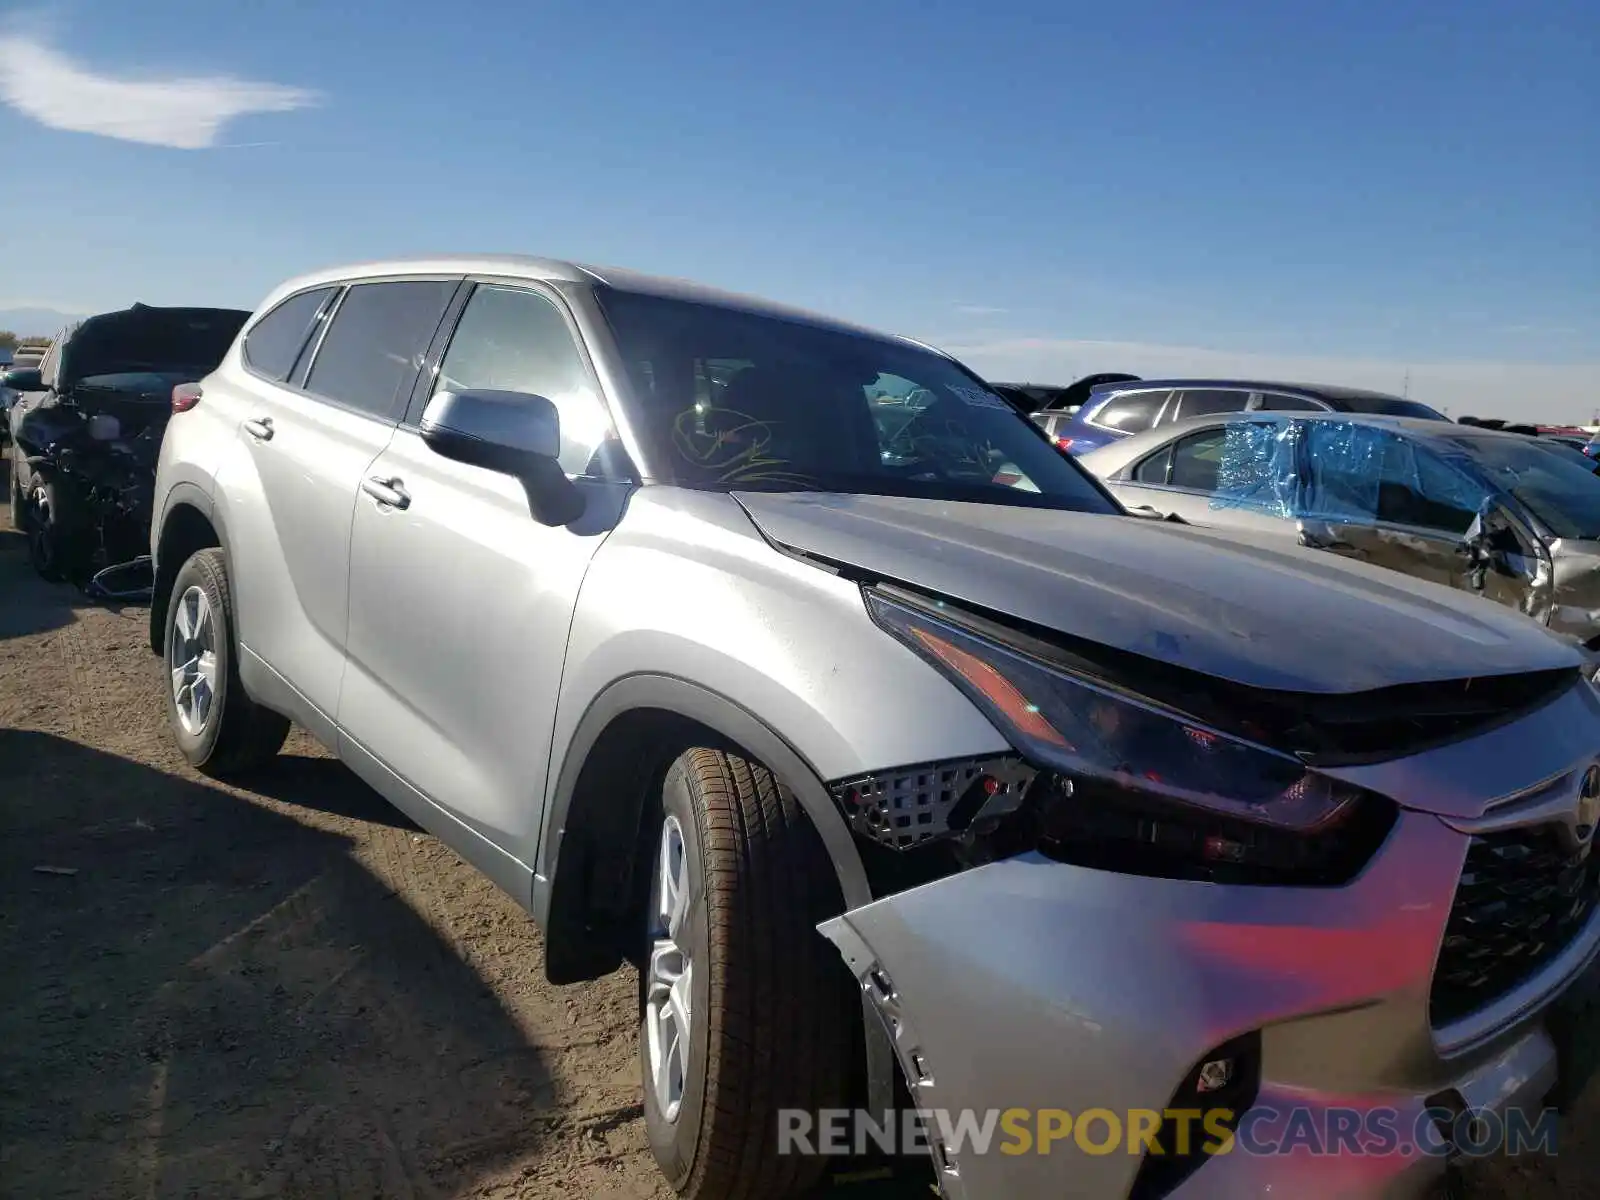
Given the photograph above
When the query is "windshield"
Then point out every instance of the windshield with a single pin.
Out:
(1556, 484)
(738, 401)
(1391, 406)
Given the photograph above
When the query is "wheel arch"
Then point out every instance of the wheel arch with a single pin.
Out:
(585, 879)
(189, 522)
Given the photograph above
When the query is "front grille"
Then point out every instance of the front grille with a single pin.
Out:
(1523, 897)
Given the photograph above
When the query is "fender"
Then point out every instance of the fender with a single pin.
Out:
(670, 694)
(181, 494)
(572, 951)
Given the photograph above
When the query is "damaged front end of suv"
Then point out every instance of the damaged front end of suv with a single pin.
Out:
(1185, 894)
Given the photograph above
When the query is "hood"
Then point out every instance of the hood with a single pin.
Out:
(144, 338)
(1267, 617)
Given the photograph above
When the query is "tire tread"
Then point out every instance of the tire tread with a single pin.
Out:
(780, 1004)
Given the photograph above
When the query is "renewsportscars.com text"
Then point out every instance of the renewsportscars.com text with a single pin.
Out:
(1433, 1132)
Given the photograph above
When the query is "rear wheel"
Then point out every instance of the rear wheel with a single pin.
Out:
(220, 730)
(746, 1008)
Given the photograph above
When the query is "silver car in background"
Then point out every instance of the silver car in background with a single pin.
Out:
(897, 756)
(1503, 515)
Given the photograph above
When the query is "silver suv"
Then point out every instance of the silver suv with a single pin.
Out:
(785, 660)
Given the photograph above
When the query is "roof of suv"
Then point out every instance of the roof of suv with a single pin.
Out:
(1420, 428)
(1329, 392)
(552, 270)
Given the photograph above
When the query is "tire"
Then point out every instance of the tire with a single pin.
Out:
(58, 542)
(19, 503)
(774, 1015)
(223, 733)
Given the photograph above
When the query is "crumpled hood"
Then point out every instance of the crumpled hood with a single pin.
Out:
(1267, 617)
(145, 337)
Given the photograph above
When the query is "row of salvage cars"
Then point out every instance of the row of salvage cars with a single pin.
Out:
(1509, 515)
(85, 425)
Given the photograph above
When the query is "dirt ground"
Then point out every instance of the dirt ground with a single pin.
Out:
(291, 992)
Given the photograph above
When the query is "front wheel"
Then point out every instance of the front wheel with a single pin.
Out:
(220, 730)
(19, 496)
(746, 1009)
(58, 538)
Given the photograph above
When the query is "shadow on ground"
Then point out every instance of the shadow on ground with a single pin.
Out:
(326, 785)
(204, 997)
(27, 603)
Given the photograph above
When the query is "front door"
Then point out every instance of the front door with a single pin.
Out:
(1381, 498)
(460, 602)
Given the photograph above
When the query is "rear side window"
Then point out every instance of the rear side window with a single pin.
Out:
(1205, 402)
(1131, 412)
(274, 342)
(1197, 460)
(378, 338)
(1278, 402)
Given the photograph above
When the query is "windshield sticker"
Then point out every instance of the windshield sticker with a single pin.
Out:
(732, 447)
(981, 398)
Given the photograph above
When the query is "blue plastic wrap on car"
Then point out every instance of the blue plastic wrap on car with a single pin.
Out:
(1345, 470)
(1332, 470)
(1257, 468)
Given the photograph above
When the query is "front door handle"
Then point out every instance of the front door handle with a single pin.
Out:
(260, 428)
(388, 492)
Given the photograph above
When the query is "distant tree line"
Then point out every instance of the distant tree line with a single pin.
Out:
(10, 340)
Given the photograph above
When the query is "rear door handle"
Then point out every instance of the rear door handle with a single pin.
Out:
(388, 492)
(260, 429)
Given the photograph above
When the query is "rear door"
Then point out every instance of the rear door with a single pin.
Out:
(461, 601)
(1198, 476)
(307, 430)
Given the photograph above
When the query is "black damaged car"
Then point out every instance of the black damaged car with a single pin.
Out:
(86, 430)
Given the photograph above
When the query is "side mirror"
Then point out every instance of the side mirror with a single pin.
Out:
(1490, 544)
(1151, 513)
(23, 379)
(512, 433)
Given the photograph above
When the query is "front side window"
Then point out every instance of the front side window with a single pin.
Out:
(725, 399)
(274, 343)
(1131, 412)
(1419, 490)
(379, 335)
(514, 340)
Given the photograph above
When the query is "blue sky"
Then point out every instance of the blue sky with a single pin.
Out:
(1343, 189)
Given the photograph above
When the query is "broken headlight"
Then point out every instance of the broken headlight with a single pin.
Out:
(1133, 785)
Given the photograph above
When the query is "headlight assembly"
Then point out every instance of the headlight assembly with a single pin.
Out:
(1124, 778)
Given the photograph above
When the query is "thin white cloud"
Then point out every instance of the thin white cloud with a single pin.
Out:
(186, 113)
(1527, 391)
(979, 310)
